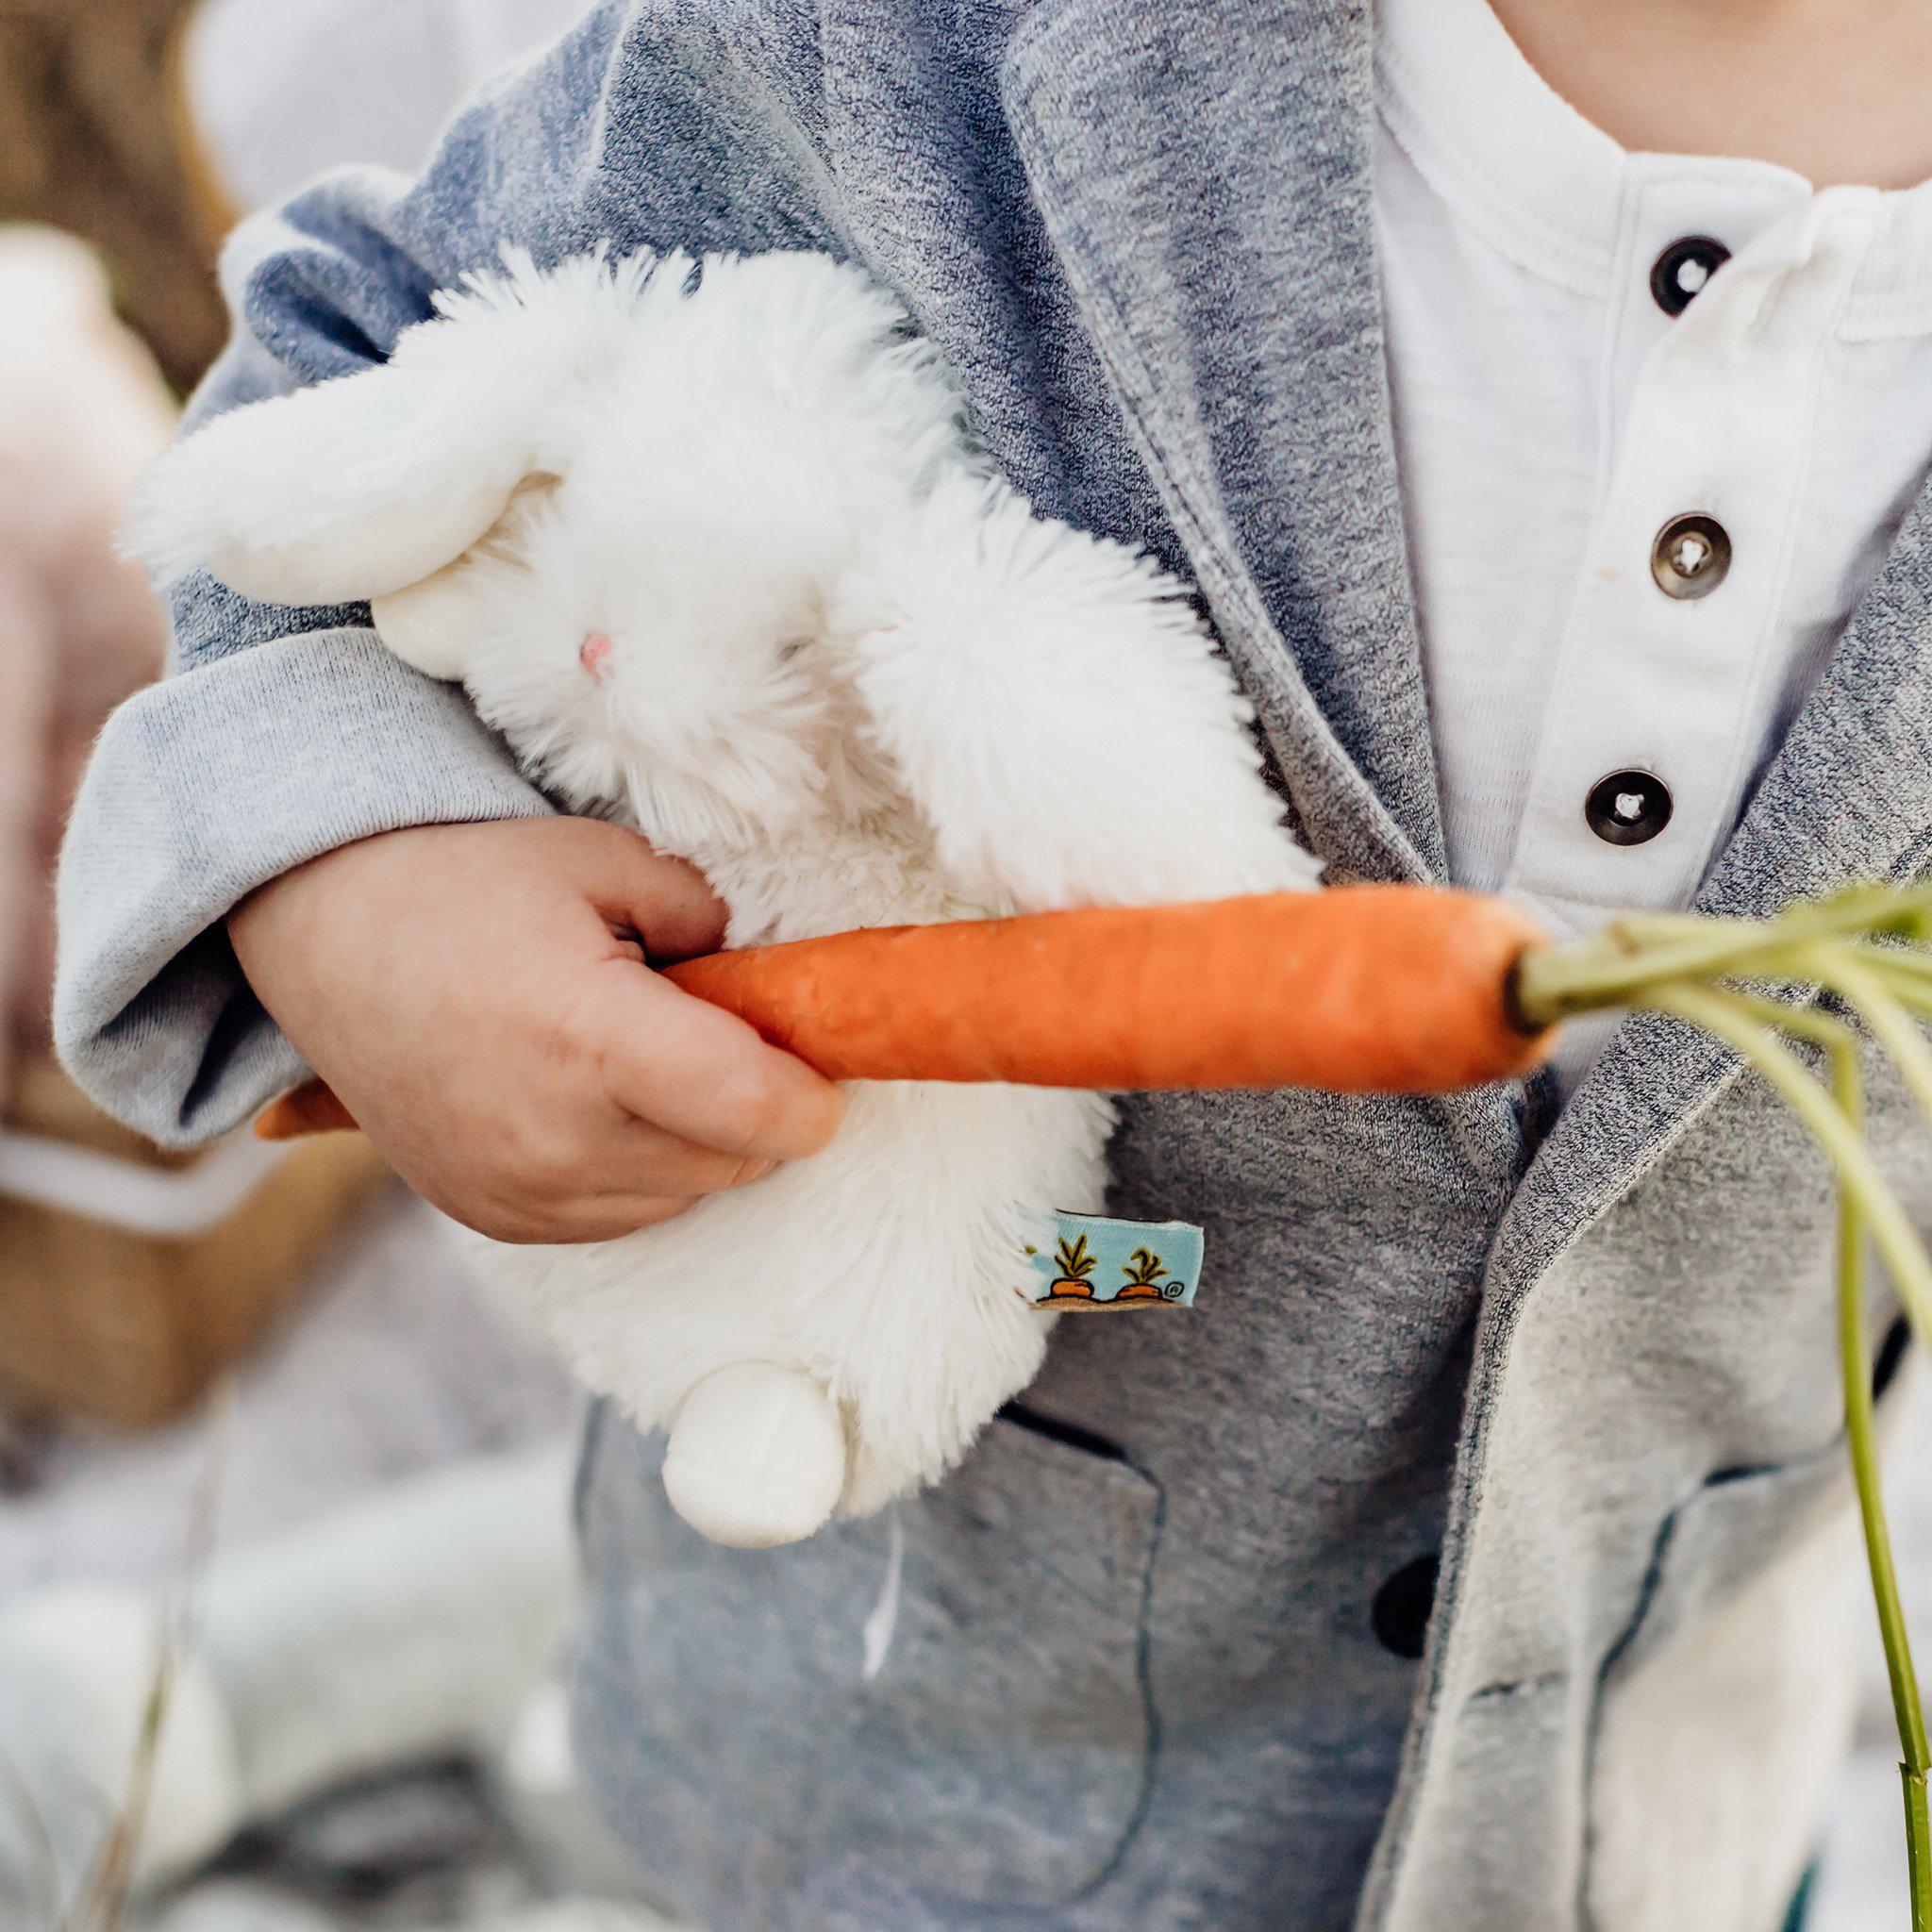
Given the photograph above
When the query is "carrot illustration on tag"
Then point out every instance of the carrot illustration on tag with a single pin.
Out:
(1077, 1263)
(1144, 1270)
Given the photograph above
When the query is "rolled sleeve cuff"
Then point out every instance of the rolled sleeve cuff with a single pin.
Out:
(200, 789)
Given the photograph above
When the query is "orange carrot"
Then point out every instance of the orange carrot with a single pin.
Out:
(312, 1108)
(1358, 990)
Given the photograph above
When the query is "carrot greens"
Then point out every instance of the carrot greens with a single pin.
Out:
(1754, 986)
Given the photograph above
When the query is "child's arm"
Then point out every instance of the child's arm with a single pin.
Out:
(285, 735)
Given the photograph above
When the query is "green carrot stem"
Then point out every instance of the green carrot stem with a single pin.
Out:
(1897, 962)
(1885, 1018)
(1647, 951)
(1918, 1846)
(1905, 1257)
(1861, 1438)
(1689, 968)
(1912, 990)
(1749, 1028)
(1801, 1023)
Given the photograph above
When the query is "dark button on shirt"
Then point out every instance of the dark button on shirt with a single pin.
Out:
(1691, 556)
(1629, 807)
(1678, 274)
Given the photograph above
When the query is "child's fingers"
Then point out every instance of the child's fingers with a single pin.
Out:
(664, 901)
(647, 1157)
(705, 1076)
(595, 1218)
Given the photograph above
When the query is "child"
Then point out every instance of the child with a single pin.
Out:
(1478, 1558)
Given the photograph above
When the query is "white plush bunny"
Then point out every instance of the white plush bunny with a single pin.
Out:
(708, 547)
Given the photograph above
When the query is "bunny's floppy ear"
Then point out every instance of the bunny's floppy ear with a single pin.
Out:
(433, 624)
(360, 487)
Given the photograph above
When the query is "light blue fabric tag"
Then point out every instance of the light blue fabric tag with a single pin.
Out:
(1098, 1263)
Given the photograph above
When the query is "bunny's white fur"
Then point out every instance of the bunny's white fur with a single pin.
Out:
(853, 678)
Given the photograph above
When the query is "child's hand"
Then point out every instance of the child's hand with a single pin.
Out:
(477, 997)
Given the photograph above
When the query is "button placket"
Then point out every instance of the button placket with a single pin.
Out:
(1679, 601)
(1666, 205)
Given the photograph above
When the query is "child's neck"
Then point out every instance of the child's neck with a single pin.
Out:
(1839, 89)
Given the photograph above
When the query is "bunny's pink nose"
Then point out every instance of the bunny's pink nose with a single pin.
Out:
(595, 654)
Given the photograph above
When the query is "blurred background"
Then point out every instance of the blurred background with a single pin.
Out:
(285, 1574)
(286, 1565)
